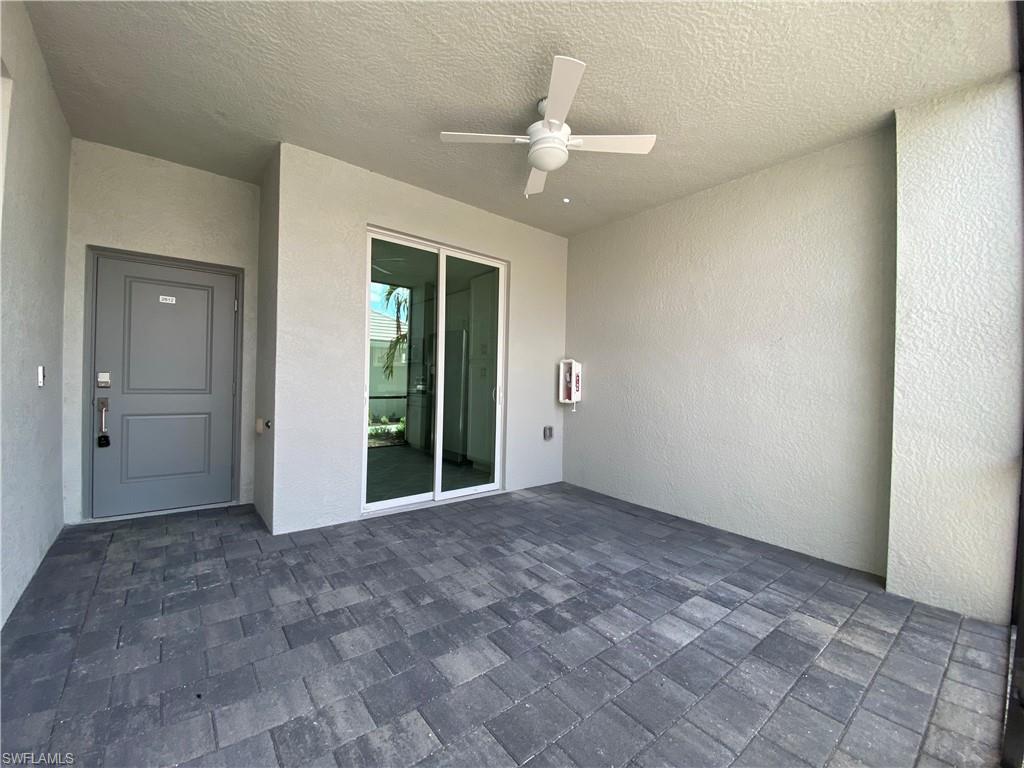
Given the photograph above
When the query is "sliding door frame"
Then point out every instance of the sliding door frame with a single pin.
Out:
(442, 253)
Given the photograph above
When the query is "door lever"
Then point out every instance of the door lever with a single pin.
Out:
(104, 405)
(103, 440)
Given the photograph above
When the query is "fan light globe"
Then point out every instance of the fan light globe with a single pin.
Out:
(548, 154)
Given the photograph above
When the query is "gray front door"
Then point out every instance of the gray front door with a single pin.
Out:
(165, 342)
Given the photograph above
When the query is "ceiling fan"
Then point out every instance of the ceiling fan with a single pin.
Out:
(550, 138)
(378, 261)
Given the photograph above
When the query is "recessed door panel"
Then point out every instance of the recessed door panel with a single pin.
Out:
(164, 348)
(168, 330)
(165, 446)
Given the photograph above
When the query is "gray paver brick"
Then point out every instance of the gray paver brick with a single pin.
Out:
(471, 750)
(228, 656)
(900, 703)
(849, 662)
(695, 669)
(762, 753)
(404, 692)
(655, 701)
(404, 741)
(761, 681)
(527, 673)
(877, 741)
(727, 642)
(575, 646)
(587, 687)
(261, 712)
(608, 738)
(532, 724)
(254, 752)
(977, 727)
(913, 671)
(297, 662)
(156, 678)
(464, 708)
(340, 680)
(634, 657)
(685, 744)
(828, 692)
(730, 716)
(802, 730)
(469, 661)
(164, 746)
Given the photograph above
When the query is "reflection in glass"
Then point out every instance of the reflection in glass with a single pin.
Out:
(470, 373)
(403, 341)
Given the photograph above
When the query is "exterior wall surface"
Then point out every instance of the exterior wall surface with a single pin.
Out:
(957, 413)
(132, 202)
(737, 354)
(266, 357)
(35, 208)
(325, 207)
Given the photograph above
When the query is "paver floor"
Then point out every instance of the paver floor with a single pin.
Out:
(548, 627)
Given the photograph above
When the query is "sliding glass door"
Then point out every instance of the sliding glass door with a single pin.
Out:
(435, 373)
(401, 401)
(469, 405)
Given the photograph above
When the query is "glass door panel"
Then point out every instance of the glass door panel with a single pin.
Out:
(400, 430)
(470, 379)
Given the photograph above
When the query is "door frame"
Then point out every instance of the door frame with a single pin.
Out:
(442, 251)
(92, 256)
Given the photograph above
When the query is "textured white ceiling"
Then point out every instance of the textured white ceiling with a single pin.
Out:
(728, 88)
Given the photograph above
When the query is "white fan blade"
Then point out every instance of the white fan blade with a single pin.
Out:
(448, 137)
(535, 184)
(566, 74)
(639, 144)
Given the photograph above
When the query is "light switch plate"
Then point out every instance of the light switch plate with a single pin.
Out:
(40, 375)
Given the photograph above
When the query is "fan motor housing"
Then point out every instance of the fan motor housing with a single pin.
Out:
(548, 148)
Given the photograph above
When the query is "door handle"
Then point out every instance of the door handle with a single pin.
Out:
(104, 406)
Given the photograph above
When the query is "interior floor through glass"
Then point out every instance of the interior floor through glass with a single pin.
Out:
(401, 470)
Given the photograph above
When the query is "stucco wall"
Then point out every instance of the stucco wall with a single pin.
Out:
(35, 205)
(133, 202)
(737, 354)
(325, 207)
(266, 356)
(957, 410)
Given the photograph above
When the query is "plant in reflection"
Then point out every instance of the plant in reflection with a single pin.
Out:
(400, 298)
